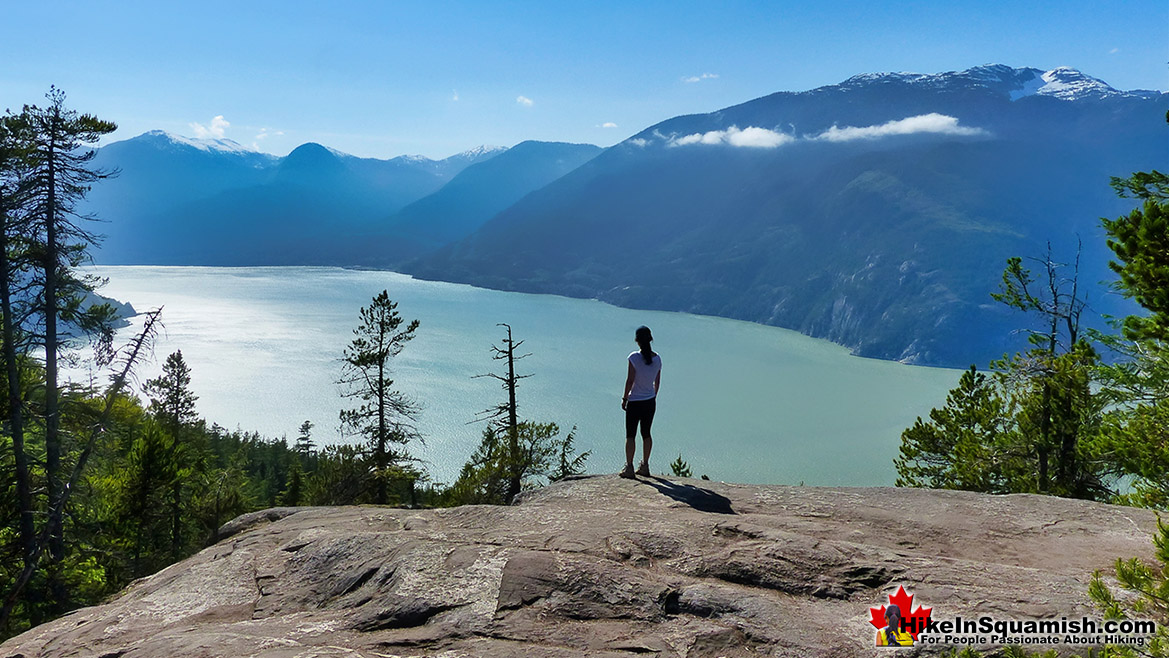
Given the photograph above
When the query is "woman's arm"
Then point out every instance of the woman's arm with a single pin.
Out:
(628, 385)
(658, 382)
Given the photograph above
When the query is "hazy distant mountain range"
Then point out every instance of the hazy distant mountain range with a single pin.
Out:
(877, 213)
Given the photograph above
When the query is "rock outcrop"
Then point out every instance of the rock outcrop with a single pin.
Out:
(600, 566)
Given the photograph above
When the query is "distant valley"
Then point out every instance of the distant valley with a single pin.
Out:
(877, 213)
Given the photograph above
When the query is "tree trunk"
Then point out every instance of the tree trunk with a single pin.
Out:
(15, 408)
(515, 481)
(380, 495)
(52, 400)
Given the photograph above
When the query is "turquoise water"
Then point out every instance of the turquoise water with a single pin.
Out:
(739, 401)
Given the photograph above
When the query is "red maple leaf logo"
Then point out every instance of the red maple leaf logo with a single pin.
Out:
(912, 622)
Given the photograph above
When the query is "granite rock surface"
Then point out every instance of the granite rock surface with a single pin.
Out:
(601, 566)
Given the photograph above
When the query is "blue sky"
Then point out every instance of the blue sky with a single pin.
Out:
(381, 79)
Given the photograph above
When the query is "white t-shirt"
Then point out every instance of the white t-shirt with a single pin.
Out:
(644, 375)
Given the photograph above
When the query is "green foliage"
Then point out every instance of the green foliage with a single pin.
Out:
(1058, 420)
(513, 455)
(342, 477)
(149, 470)
(568, 463)
(1140, 241)
(293, 494)
(680, 468)
(384, 417)
(960, 446)
(171, 398)
(1034, 426)
(537, 453)
(1133, 439)
(304, 439)
(1143, 185)
(1147, 588)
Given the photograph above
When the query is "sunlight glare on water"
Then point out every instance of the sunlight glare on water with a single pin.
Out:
(739, 401)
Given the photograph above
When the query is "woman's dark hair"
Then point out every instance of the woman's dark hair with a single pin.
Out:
(643, 338)
(893, 618)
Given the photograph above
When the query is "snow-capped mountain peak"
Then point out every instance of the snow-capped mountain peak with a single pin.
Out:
(1069, 84)
(480, 151)
(209, 145)
(1064, 83)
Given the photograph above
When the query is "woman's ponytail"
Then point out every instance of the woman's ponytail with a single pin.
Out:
(643, 337)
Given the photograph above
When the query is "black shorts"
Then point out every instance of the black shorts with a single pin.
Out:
(639, 411)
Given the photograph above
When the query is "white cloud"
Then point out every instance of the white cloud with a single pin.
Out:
(933, 123)
(264, 134)
(608, 124)
(699, 78)
(639, 142)
(749, 137)
(1114, 51)
(214, 131)
(525, 101)
(455, 95)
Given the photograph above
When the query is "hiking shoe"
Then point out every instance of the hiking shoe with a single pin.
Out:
(643, 469)
(627, 472)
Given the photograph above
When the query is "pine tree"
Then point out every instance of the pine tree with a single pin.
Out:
(385, 416)
(680, 468)
(1146, 596)
(959, 446)
(1032, 428)
(173, 403)
(147, 478)
(1140, 241)
(568, 462)
(304, 445)
(504, 417)
(538, 452)
(171, 399)
(513, 454)
(1134, 439)
(15, 188)
(60, 174)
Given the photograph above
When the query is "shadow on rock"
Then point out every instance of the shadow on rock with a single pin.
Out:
(703, 500)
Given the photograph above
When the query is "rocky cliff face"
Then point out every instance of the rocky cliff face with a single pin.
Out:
(601, 566)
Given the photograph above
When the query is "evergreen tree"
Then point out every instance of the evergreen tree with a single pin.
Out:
(171, 399)
(1030, 429)
(221, 497)
(15, 189)
(304, 439)
(60, 175)
(1134, 439)
(568, 463)
(539, 453)
(173, 403)
(959, 447)
(504, 417)
(147, 477)
(513, 454)
(1146, 597)
(341, 477)
(385, 416)
(680, 468)
(293, 494)
(1140, 241)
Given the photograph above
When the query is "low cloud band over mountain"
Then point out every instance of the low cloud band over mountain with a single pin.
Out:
(877, 213)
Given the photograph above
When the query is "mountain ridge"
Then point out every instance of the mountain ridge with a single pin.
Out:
(877, 212)
(878, 216)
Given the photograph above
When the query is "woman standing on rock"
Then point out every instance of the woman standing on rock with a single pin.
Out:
(640, 400)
